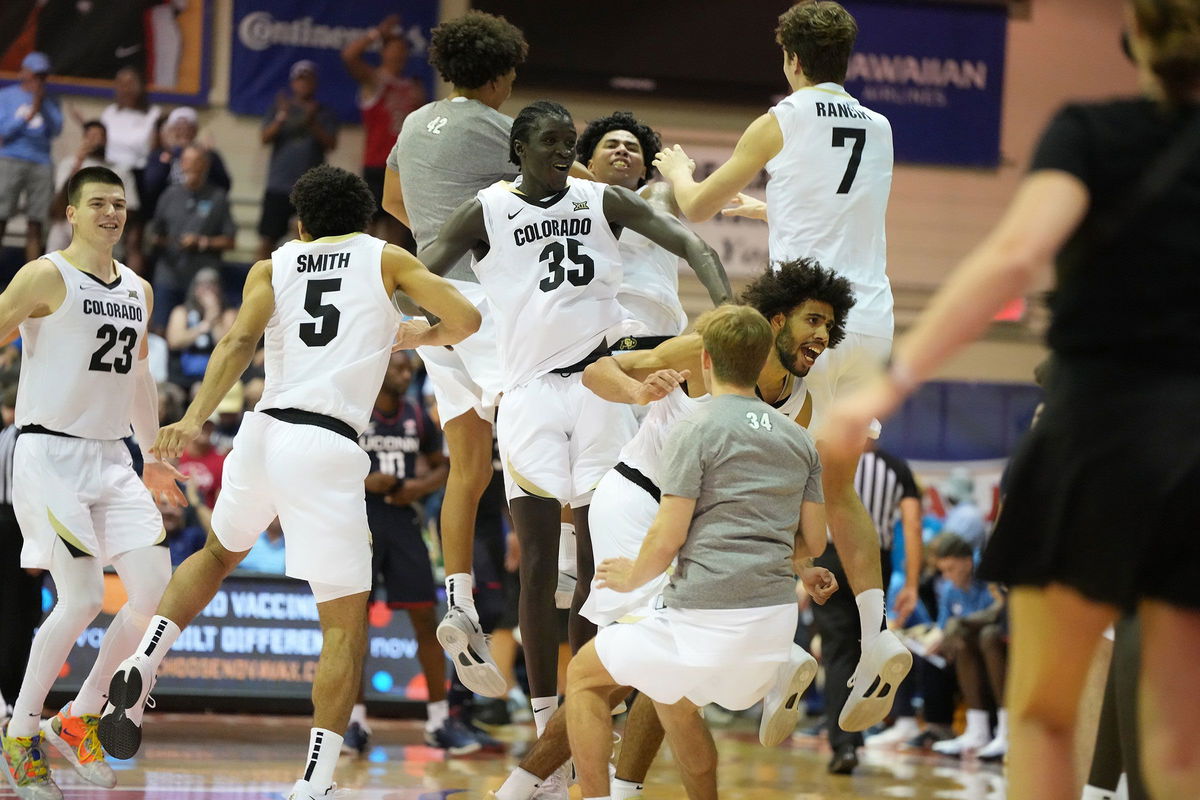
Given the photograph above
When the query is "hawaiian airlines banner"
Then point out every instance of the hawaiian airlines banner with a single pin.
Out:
(271, 35)
(937, 72)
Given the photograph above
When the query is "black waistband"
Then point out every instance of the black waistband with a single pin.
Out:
(627, 343)
(582, 364)
(297, 416)
(39, 429)
(634, 475)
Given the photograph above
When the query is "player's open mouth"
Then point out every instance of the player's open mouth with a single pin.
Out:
(810, 353)
(561, 166)
(109, 226)
(620, 163)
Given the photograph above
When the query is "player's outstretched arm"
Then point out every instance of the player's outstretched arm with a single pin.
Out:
(699, 201)
(666, 535)
(457, 317)
(623, 378)
(229, 360)
(459, 233)
(630, 210)
(36, 290)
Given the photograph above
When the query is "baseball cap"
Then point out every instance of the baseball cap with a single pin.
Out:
(181, 114)
(302, 67)
(37, 63)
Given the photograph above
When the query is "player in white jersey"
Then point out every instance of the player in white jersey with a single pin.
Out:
(830, 166)
(549, 264)
(806, 306)
(324, 305)
(84, 381)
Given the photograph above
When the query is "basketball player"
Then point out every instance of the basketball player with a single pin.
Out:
(324, 306)
(805, 305)
(551, 273)
(830, 166)
(446, 152)
(741, 502)
(84, 380)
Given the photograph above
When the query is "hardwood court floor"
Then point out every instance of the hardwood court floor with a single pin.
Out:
(225, 757)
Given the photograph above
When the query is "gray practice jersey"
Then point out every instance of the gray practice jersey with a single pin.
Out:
(749, 468)
(446, 152)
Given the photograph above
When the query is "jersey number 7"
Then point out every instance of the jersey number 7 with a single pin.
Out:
(840, 136)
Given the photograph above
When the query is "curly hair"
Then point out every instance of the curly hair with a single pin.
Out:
(821, 34)
(527, 118)
(597, 129)
(331, 201)
(788, 284)
(476, 48)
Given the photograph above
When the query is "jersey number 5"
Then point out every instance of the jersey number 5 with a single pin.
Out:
(840, 137)
(109, 336)
(554, 253)
(319, 334)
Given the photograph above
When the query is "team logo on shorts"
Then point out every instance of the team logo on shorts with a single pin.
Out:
(582, 205)
(628, 343)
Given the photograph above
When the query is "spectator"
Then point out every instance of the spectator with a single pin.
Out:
(193, 227)
(29, 120)
(92, 152)
(204, 464)
(183, 538)
(300, 131)
(196, 325)
(163, 166)
(267, 554)
(131, 122)
(171, 402)
(385, 97)
(229, 417)
(965, 519)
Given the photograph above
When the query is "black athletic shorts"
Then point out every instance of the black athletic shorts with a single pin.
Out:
(400, 559)
(277, 212)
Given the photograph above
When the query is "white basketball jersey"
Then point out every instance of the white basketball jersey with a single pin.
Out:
(330, 338)
(828, 192)
(644, 450)
(77, 364)
(650, 286)
(551, 276)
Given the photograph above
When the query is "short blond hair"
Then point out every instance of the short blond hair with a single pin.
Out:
(737, 339)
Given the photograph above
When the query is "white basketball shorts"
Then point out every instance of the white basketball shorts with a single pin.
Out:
(843, 370)
(312, 479)
(467, 377)
(83, 491)
(723, 656)
(558, 439)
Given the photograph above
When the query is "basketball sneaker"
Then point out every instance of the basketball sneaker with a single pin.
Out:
(120, 728)
(781, 706)
(357, 739)
(303, 790)
(453, 737)
(75, 739)
(557, 786)
(873, 685)
(465, 643)
(27, 770)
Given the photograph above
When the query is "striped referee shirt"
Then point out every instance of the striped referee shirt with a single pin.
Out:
(8, 443)
(882, 481)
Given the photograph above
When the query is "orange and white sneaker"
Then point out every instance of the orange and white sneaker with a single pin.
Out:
(75, 739)
(26, 768)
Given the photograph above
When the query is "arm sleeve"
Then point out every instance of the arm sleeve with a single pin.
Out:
(1065, 145)
(393, 159)
(908, 484)
(144, 412)
(681, 467)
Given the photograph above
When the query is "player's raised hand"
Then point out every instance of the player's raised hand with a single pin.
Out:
(659, 384)
(674, 164)
(743, 205)
(160, 478)
(410, 334)
(615, 574)
(819, 583)
(173, 438)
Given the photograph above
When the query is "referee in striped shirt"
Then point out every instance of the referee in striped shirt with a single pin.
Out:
(890, 494)
(20, 592)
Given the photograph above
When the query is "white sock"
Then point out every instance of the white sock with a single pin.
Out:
(978, 727)
(460, 588)
(621, 790)
(543, 710)
(359, 714)
(605, 797)
(323, 749)
(519, 785)
(436, 714)
(161, 633)
(871, 605)
(567, 559)
(1096, 793)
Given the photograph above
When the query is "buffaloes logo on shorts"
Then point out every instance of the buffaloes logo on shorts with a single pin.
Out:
(628, 343)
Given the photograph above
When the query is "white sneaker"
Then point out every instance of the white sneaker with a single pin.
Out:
(960, 745)
(120, 728)
(994, 750)
(554, 787)
(303, 790)
(781, 706)
(468, 649)
(904, 729)
(873, 686)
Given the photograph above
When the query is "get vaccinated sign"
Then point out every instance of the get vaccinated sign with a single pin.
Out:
(271, 35)
(936, 71)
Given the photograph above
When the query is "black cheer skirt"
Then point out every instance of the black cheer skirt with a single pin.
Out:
(1104, 494)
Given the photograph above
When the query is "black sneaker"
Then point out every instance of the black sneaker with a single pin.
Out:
(487, 742)
(356, 740)
(844, 761)
(926, 738)
(453, 737)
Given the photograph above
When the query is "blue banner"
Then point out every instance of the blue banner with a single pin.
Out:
(271, 35)
(935, 71)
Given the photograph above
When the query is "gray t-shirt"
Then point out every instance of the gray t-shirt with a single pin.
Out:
(446, 152)
(295, 149)
(180, 210)
(749, 468)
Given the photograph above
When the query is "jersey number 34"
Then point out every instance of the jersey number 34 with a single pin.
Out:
(582, 273)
